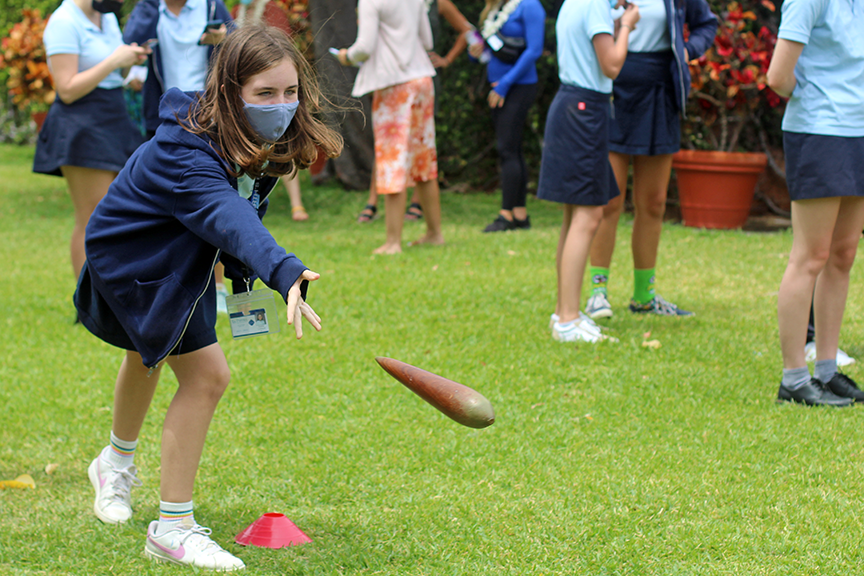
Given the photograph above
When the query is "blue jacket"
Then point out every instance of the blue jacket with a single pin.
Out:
(703, 26)
(528, 21)
(153, 240)
(140, 27)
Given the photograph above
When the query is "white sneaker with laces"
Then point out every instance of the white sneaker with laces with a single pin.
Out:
(113, 502)
(598, 306)
(583, 329)
(191, 545)
(843, 359)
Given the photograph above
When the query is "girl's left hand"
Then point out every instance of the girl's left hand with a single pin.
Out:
(495, 99)
(298, 309)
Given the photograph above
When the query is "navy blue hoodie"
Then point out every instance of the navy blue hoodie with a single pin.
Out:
(153, 240)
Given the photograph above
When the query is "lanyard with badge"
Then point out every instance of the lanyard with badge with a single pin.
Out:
(252, 313)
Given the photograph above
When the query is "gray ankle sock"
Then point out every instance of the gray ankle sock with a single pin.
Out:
(795, 378)
(825, 369)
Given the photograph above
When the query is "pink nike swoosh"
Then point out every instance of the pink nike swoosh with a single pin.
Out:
(99, 475)
(178, 554)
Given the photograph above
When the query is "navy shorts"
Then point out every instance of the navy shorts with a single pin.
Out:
(646, 120)
(92, 132)
(819, 166)
(96, 315)
(575, 166)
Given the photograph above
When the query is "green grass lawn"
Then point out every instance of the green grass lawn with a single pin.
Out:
(607, 459)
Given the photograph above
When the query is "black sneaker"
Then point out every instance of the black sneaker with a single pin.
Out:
(845, 387)
(522, 224)
(813, 393)
(500, 224)
(658, 306)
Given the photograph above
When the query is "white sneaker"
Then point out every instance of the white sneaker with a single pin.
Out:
(189, 545)
(113, 503)
(843, 359)
(582, 329)
(552, 319)
(598, 306)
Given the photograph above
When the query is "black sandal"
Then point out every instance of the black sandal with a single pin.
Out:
(368, 213)
(414, 212)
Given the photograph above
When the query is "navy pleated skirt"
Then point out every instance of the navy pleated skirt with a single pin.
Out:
(575, 165)
(646, 120)
(819, 166)
(92, 132)
(98, 317)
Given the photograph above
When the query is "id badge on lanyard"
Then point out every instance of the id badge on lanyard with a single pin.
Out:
(253, 313)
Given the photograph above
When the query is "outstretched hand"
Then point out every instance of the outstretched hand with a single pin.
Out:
(298, 309)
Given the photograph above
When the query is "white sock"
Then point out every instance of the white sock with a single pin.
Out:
(120, 453)
(174, 514)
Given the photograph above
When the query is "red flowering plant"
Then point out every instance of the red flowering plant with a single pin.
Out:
(729, 90)
(23, 62)
(298, 16)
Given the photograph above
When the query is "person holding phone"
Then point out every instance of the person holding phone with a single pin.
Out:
(87, 136)
(649, 94)
(185, 33)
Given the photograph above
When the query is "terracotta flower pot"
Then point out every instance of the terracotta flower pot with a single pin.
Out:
(715, 189)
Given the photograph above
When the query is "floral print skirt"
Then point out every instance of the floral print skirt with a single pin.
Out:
(403, 119)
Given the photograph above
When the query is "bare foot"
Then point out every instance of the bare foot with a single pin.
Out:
(436, 239)
(388, 249)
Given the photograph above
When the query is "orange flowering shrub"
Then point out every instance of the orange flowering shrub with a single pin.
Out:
(298, 15)
(729, 81)
(22, 57)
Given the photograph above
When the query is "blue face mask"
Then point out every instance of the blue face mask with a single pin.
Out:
(613, 4)
(246, 2)
(270, 120)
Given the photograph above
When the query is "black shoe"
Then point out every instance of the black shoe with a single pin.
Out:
(500, 224)
(845, 387)
(522, 224)
(813, 393)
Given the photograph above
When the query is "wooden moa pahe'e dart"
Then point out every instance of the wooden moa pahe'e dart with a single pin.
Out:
(464, 405)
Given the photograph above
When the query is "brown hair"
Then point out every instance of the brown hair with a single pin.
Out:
(245, 52)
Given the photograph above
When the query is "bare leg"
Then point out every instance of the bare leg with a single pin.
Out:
(394, 208)
(650, 185)
(812, 224)
(832, 285)
(430, 200)
(573, 256)
(219, 273)
(133, 393)
(293, 186)
(202, 376)
(368, 213)
(87, 186)
(604, 242)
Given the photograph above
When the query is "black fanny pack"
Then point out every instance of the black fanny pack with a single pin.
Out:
(507, 49)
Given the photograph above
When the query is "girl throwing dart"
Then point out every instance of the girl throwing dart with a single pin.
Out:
(188, 198)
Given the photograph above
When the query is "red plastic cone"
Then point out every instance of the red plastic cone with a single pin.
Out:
(272, 530)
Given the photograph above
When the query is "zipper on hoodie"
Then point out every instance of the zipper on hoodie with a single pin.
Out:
(188, 318)
(674, 30)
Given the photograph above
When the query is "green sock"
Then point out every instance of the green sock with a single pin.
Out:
(599, 279)
(643, 285)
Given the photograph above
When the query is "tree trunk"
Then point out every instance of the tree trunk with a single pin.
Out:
(334, 24)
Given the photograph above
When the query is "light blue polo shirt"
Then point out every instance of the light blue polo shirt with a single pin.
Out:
(652, 31)
(184, 62)
(829, 96)
(69, 31)
(578, 22)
